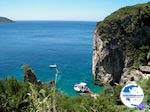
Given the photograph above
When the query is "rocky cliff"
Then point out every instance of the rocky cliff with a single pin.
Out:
(121, 44)
(3, 19)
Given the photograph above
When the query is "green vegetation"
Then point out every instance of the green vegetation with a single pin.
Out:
(13, 95)
(142, 56)
(16, 96)
(148, 55)
(145, 83)
(129, 11)
(131, 21)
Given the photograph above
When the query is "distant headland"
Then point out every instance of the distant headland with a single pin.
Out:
(4, 20)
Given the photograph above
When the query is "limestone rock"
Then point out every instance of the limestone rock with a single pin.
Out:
(137, 74)
(145, 69)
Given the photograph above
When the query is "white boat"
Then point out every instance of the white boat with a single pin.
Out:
(81, 87)
(53, 66)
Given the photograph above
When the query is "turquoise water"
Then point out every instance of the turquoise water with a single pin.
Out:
(41, 43)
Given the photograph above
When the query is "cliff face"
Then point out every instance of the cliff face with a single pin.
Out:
(3, 19)
(118, 41)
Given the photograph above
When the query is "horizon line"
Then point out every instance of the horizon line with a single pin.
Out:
(57, 20)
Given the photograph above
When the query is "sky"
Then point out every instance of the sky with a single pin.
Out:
(76, 10)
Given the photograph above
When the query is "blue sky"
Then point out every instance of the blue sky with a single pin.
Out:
(80, 10)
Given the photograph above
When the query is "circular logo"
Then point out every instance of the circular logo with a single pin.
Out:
(132, 95)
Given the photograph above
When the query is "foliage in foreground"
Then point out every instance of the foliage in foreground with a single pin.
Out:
(18, 96)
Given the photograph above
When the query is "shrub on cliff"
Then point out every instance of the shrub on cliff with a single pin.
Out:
(13, 95)
(145, 84)
(142, 56)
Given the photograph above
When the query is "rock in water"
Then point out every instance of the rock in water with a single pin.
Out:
(30, 76)
(117, 40)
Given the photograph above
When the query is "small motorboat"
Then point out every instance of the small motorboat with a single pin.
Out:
(53, 66)
(81, 87)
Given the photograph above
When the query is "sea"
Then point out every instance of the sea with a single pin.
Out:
(68, 44)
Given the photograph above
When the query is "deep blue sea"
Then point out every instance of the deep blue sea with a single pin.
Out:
(41, 43)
